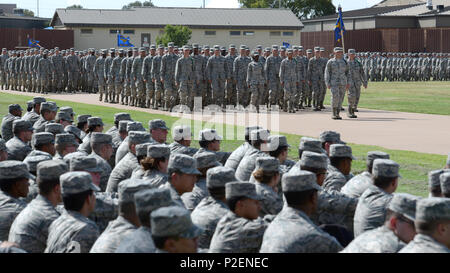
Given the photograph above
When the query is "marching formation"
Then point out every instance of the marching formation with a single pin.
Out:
(66, 186)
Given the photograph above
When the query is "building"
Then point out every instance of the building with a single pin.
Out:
(98, 28)
(392, 25)
(12, 17)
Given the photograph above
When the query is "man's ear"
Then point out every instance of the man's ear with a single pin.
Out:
(393, 222)
(170, 245)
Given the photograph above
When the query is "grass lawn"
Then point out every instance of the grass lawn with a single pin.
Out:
(416, 97)
(414, 166)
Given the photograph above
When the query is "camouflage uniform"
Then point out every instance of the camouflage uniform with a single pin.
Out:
(167, 74)
(184, 77)
(272, 69)
(230, 87)
(358, 78)
(256, 80)
(156, 76)
(147, 77)
(136, 74)
(337, 77)
(99, 72)
(240, 67)
(216, 73)
(116, 78)
(289, 79)
(73, 69)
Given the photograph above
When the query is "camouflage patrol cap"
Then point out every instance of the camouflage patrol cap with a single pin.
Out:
(182, 132)
(206, 47)
(311, 145)
(338, 49)
(49, 106)
(298, 181)
(186, 47)
(314, 160)
(249, 129)
(290, 50)
(267, 164)
(72, 49)
(218, 177)
(51, 170)
(261, 134)
(283, 48)
(112, 50)
(385, 168)
(195, 46)
(84, 164)
(433, 209)
(317, 48)
(183, 163)
(267, 49)
(241, 189)
(100, 138)
(209, 135)
(68, 110)
(121, 51)
(159, 151)
(104, 51)
(141, 149)
(232, 46)
(300, 48)
(66, 139)
(295, 48)
(39, 100)
(20, 125)
(278, 141)
(371, 156)
(74, 131)
(157, 124)
(14, 107)
(445, 182)
(309, 51)
(76, 182)
(2, 145)
(63, 116)
(123, 125)
(137, 137)
(83, 118)
(95, 121)
(255, 53)
(129, 187)
(135, 49)
(148, 200)
(33, 161)
(160, 46)
(216, 47)
(171, 44)
(351, 51)
(130, 50)
(434, 179)
(322, 49)
(275, 47)
(206, 160)
(341, 150)
(135, 126)
(404, 204)
(142, 49)
(54, 128)
(331, 136)
(42, 139)
(12, 169)
(173, 221)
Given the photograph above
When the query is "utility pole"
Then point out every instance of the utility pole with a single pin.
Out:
(204, 5)
(37, 8)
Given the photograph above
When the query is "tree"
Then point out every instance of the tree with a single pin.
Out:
(304, 9)
(138, 4)
(180, 35)
(75, 7)
(28, 13)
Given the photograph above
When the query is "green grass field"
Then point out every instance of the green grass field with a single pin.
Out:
(414, 166)
(415, 97)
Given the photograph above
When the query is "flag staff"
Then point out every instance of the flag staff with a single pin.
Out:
(342, 28)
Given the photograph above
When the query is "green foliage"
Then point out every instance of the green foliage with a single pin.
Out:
(139, 4)
(75, 7)
(28, 13)
(304, 9)
(180, 35)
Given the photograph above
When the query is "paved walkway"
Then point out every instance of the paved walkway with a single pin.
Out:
(393, 130)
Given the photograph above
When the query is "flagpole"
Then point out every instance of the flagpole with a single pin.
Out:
(342, 29)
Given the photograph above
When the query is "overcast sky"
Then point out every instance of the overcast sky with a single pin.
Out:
(47, 7)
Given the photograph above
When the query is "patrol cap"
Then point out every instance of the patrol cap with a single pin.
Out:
(311, 145)
(385, 168)
(290, 50)
(33, 161)
(51, 170)
(141, 149)
(255, 53)
(278, 141)
(12, 169)
(338, 49)
(49, 106)
(295, 48)
(434, 179)
(206, 47)
(121, 116)
(317, 49)
(433, 209)
(39, 100)
(135, 49)
(183, 163)
(84, 164)
(298, 181)
(371, 156)
(76, 182)
(112, 50)
(130, 50)
(341, 150)
(195, 46)
(322, 49)
(123, 125)
(83, 118)
(148, 200)
(445, 182)
(157, 124)
(54, 128)
(216, 47)
(2, 145)
(137, 137)
(182, 132)
(275, 47)
(186, 47)
(173, 221)
(104, 51)
(95, 121)
(351, 51)
(241, 189)
(74, 131)
(300, 48)
(129, 187)
(261, 134)
(14, 107)
(283, 48)
(63, 116)
(100, 138)
(249, 129)
(267, 164)
(67, 109)
(153, 47)
(72, 50)
(209, 135)
(206, 160)
(404, 204)
(142, 49)
(232, 46)
(20, 125)
(66, 139)
(171, 44)
(42, 139)
(135, 126)
(331, 136)
(314, 160)
(160, 46)
(267, 49)
(158, 151)
(218, 177)
(309, 51)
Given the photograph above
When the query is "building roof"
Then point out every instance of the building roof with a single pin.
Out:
(192, 17)
(14, 16)
(389, 3)
(8, 8)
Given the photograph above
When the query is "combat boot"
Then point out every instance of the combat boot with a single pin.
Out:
(353, 113)
(338, 110)
(349, 114)
(301, 105)
(334, 116)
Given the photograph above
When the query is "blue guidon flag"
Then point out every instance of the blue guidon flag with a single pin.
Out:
(33, 43)
(287, 45)
(123, 42)
(339, 27)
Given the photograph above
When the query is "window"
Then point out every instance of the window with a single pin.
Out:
(210, 32)
(275, 33)
(235, 33)
(86, 31)
(161, 32)
(249, 33)
(288, 33)
(114, 31)
(128, 31)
